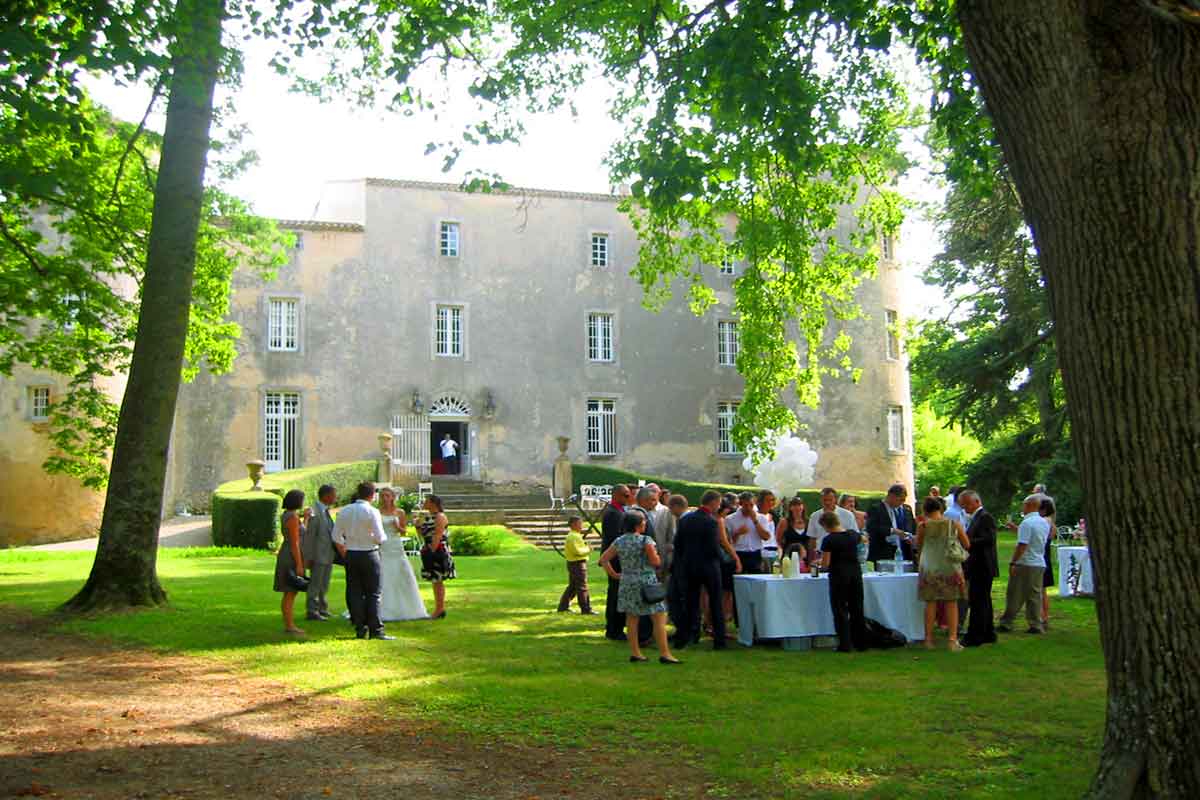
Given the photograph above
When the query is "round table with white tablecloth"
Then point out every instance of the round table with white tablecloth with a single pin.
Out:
(1074, 571)
(775, 607)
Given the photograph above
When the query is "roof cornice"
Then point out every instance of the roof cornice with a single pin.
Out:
(319, 225)
(515, 191)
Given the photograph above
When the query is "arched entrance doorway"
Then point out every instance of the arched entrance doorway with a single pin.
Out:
(450, 415)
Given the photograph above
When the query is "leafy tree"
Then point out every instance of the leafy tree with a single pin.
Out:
(990, 366)
(1095, 106)
(183, 49)
(941, 454)
(73, 223)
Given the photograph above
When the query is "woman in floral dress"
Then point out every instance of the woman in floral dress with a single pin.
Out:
(638, 559)
(941, 579)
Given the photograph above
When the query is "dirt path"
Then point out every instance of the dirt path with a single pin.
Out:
(83, 719)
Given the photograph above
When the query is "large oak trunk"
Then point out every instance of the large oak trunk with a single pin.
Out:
(1097, 107)
(124, 572)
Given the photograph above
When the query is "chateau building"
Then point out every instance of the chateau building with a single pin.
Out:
(505, 320)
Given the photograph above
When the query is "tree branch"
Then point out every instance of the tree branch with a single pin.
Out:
(22, 249)
(137, 133)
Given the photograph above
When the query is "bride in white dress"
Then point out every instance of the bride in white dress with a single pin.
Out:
(398, 583)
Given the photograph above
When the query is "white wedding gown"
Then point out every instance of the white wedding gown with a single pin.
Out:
(398, 583)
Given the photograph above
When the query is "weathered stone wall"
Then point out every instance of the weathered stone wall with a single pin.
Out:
(524, 279)
(35, 507)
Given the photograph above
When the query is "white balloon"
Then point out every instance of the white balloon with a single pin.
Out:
(790, 470)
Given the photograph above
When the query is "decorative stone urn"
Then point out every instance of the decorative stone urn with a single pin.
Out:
(563, 480)
(384, 471)
(255, 469)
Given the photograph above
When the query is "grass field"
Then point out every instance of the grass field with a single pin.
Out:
(1023, 718)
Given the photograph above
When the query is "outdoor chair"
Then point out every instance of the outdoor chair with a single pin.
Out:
(556, 503)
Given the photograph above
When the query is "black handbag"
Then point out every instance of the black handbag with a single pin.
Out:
(295, 582)
(654, 593)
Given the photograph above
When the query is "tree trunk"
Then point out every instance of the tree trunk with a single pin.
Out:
(1097, 107)
(124, 572)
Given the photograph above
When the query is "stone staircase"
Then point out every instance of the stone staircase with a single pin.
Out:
(529, 515)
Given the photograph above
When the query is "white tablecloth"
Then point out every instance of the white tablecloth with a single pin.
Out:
(774, 607)
(1071, 559)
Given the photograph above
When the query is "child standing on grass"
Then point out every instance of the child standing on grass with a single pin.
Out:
(576, 550)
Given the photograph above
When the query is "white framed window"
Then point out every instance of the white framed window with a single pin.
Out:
(72, 302)
(448, 331)
(727, 262)
(602, 427)
(448, 239)
(281, 430)
(893, 334)
(726, 414)
(895, 427)
(39, 403)
(283, 324)
(727, 343)
(600, 337)
(887, 248)
(599, 249)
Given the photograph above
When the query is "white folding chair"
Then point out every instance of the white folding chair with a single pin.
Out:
(588, 499)
(424, 488)
(556, 503)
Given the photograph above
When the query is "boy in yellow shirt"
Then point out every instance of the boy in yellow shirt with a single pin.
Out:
(576, 550)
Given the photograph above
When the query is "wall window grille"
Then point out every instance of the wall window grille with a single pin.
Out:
(600, 337)
(893, 334)
(727, 262)
(727, 343)
(887, 248)
(448, 239)
(283, 325)
(448, 331)
(895, 426)
(726, 414)
(602, 427)
(281, 428)
(599, 250)
(39, 403)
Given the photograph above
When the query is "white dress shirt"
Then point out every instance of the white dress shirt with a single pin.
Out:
(359, 526)
(816, 533)
(749, 541)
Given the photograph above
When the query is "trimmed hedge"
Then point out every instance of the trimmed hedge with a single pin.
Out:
(243, 518)
(692, 490)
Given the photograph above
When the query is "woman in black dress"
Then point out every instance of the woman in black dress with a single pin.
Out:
(792, 532)
(437, 565)
(840, 549)
(1048, 511)
(289, 561)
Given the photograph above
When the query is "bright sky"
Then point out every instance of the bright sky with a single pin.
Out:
(302, 143)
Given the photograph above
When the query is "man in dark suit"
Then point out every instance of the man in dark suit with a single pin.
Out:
(889, 522)
(980, 568)
(610, 531)
(697, 566)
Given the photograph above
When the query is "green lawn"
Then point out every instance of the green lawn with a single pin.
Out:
(1020, 719)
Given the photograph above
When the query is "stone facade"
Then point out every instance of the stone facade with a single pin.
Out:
(367, 287)
(338, 347)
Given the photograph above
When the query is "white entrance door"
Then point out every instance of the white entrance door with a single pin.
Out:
(410, 444)
(281, 415)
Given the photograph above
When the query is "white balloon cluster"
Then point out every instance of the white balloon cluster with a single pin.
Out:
(789, 471)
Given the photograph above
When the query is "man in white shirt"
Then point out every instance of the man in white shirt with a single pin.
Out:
(829, 498)
(1025, 568)
(748, 530)
(449, 454)
(357, 534)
